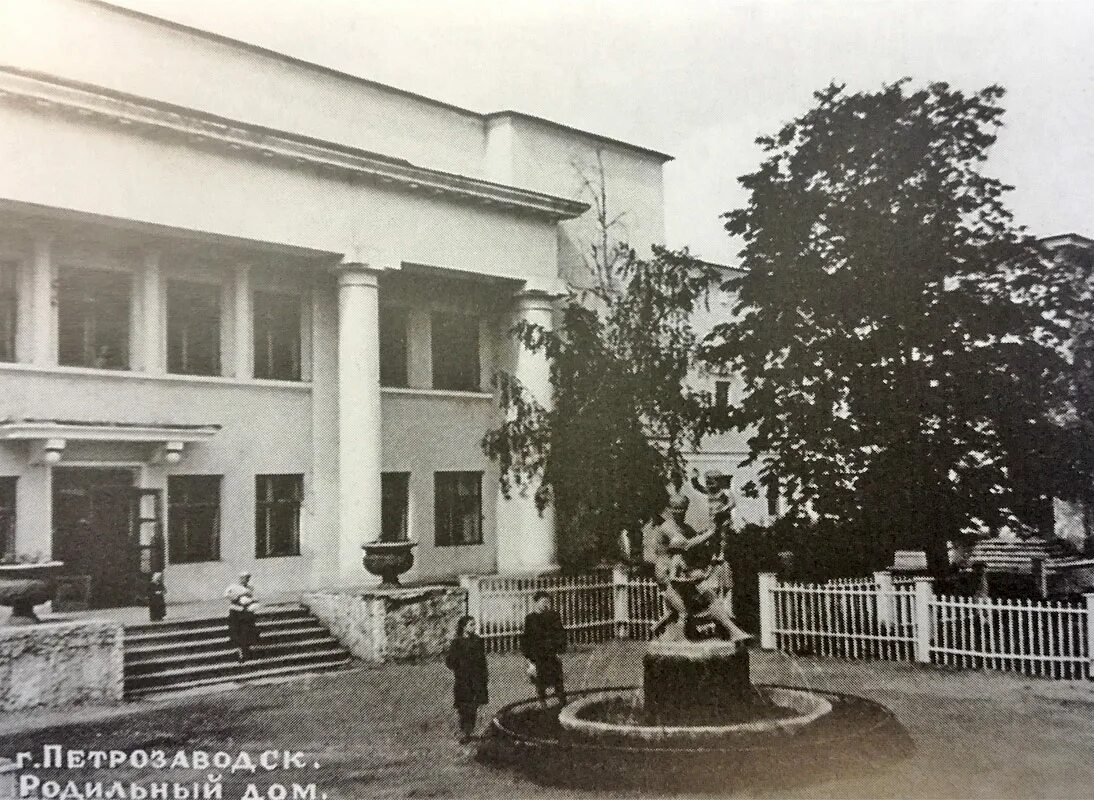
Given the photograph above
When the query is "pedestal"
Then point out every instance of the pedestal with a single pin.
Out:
(696, 681)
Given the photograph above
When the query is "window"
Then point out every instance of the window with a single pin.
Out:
(193, 518)
(9, 308)
(394, 506)
(193, 328)
(93, 318)
(7, 515)
(393, 348)
(455, 343)
(773, 498)
(277, 515)
(277, 336)
(721, 395)
(458, 508)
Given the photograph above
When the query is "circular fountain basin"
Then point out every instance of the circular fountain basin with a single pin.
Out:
(584, 718)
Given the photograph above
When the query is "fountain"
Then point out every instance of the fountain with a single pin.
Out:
(697, 722)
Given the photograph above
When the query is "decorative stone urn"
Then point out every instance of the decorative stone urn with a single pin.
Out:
(23, 586)
(389, 560)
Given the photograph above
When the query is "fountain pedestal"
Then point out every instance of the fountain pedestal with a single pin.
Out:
(687, 680)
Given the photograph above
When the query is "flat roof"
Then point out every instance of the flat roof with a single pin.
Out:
(311, 65)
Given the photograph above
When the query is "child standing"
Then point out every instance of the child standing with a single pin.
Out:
(466, 658)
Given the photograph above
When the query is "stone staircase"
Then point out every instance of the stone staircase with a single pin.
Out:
(184, 654)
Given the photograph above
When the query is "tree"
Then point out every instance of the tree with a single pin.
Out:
(902, 342)
(622, 410)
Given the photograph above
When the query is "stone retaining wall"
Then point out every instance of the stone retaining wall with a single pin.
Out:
(53, 665)
(379, 625)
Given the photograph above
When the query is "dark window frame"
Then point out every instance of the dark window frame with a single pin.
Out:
(98, 312)
(394, 352)
(448, 514)
(186, 506)
(722, 390)
(271, 335)
(394, 506)
(273, 505)
(9, 310)
(9, 489)
(189, 324)
(454, 368)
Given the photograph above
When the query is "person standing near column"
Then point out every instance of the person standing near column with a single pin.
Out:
(543, 640)
(242, 625)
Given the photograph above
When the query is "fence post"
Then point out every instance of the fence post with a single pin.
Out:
(621, 597)
(1089, 597)
(886, 602)
(924, 599)
(767, 610)
(471, 584)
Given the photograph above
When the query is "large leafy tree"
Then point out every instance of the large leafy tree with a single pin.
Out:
(902, 342)
(622, 411)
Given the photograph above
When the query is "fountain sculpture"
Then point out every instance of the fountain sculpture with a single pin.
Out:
(697, 722)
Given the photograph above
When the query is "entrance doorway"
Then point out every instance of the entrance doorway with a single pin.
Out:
(106, 531)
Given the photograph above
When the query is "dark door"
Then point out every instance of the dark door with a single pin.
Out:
(92, 523)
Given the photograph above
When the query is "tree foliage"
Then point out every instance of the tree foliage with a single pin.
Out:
(903, 344)
(622, 412)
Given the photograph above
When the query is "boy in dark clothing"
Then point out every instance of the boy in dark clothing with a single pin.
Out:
(542, 641)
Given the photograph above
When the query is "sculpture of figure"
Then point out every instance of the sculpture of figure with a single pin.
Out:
(688, 565)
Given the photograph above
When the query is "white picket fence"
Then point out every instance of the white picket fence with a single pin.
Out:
(597, 606)
(901, 620)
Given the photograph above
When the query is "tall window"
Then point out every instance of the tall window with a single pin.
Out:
(9, 308)
(277, 515)
(277, 336)
(393, 348)
(7, 515)
(721, 395)
(193, 328)
(773, 498)
(455, 345)
(193, 518)
(458, 508)
(394, 506)
(93, 318)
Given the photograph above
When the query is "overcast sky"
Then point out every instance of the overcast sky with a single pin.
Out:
(700, 79)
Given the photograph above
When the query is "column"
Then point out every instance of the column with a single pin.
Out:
(359, 439)
(152, 326)
(43, 323)
(242, 323)
(526, 536)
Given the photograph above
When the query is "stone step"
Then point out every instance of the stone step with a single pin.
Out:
(231, 670)
(135, 692)
(217, 649)
(167, 626)
(213, 628)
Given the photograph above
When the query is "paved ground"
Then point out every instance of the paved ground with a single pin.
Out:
(388, 732)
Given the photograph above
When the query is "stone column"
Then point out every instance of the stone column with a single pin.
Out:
(359, 457)
(152, 328)
(526, 536)
(242, 323)
(43, 325)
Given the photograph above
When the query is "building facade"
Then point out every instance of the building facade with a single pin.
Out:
(251, 307)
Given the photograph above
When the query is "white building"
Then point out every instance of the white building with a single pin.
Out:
(255, 304)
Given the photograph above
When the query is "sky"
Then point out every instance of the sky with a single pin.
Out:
(701, 79)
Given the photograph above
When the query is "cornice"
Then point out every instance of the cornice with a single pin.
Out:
(50, 95)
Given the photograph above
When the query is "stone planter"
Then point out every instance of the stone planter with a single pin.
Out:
(389, 560)
(23, 586)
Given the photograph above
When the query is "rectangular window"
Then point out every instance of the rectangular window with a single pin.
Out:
(721, 395)
(277, 515)
(455, 345)
(193, 518)
(773, 499)
(7, 515)
(93, 318)
(193, 328)
(277, 336)
(9, 308)
(458, 508)
(394, 506)
(393, 346)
